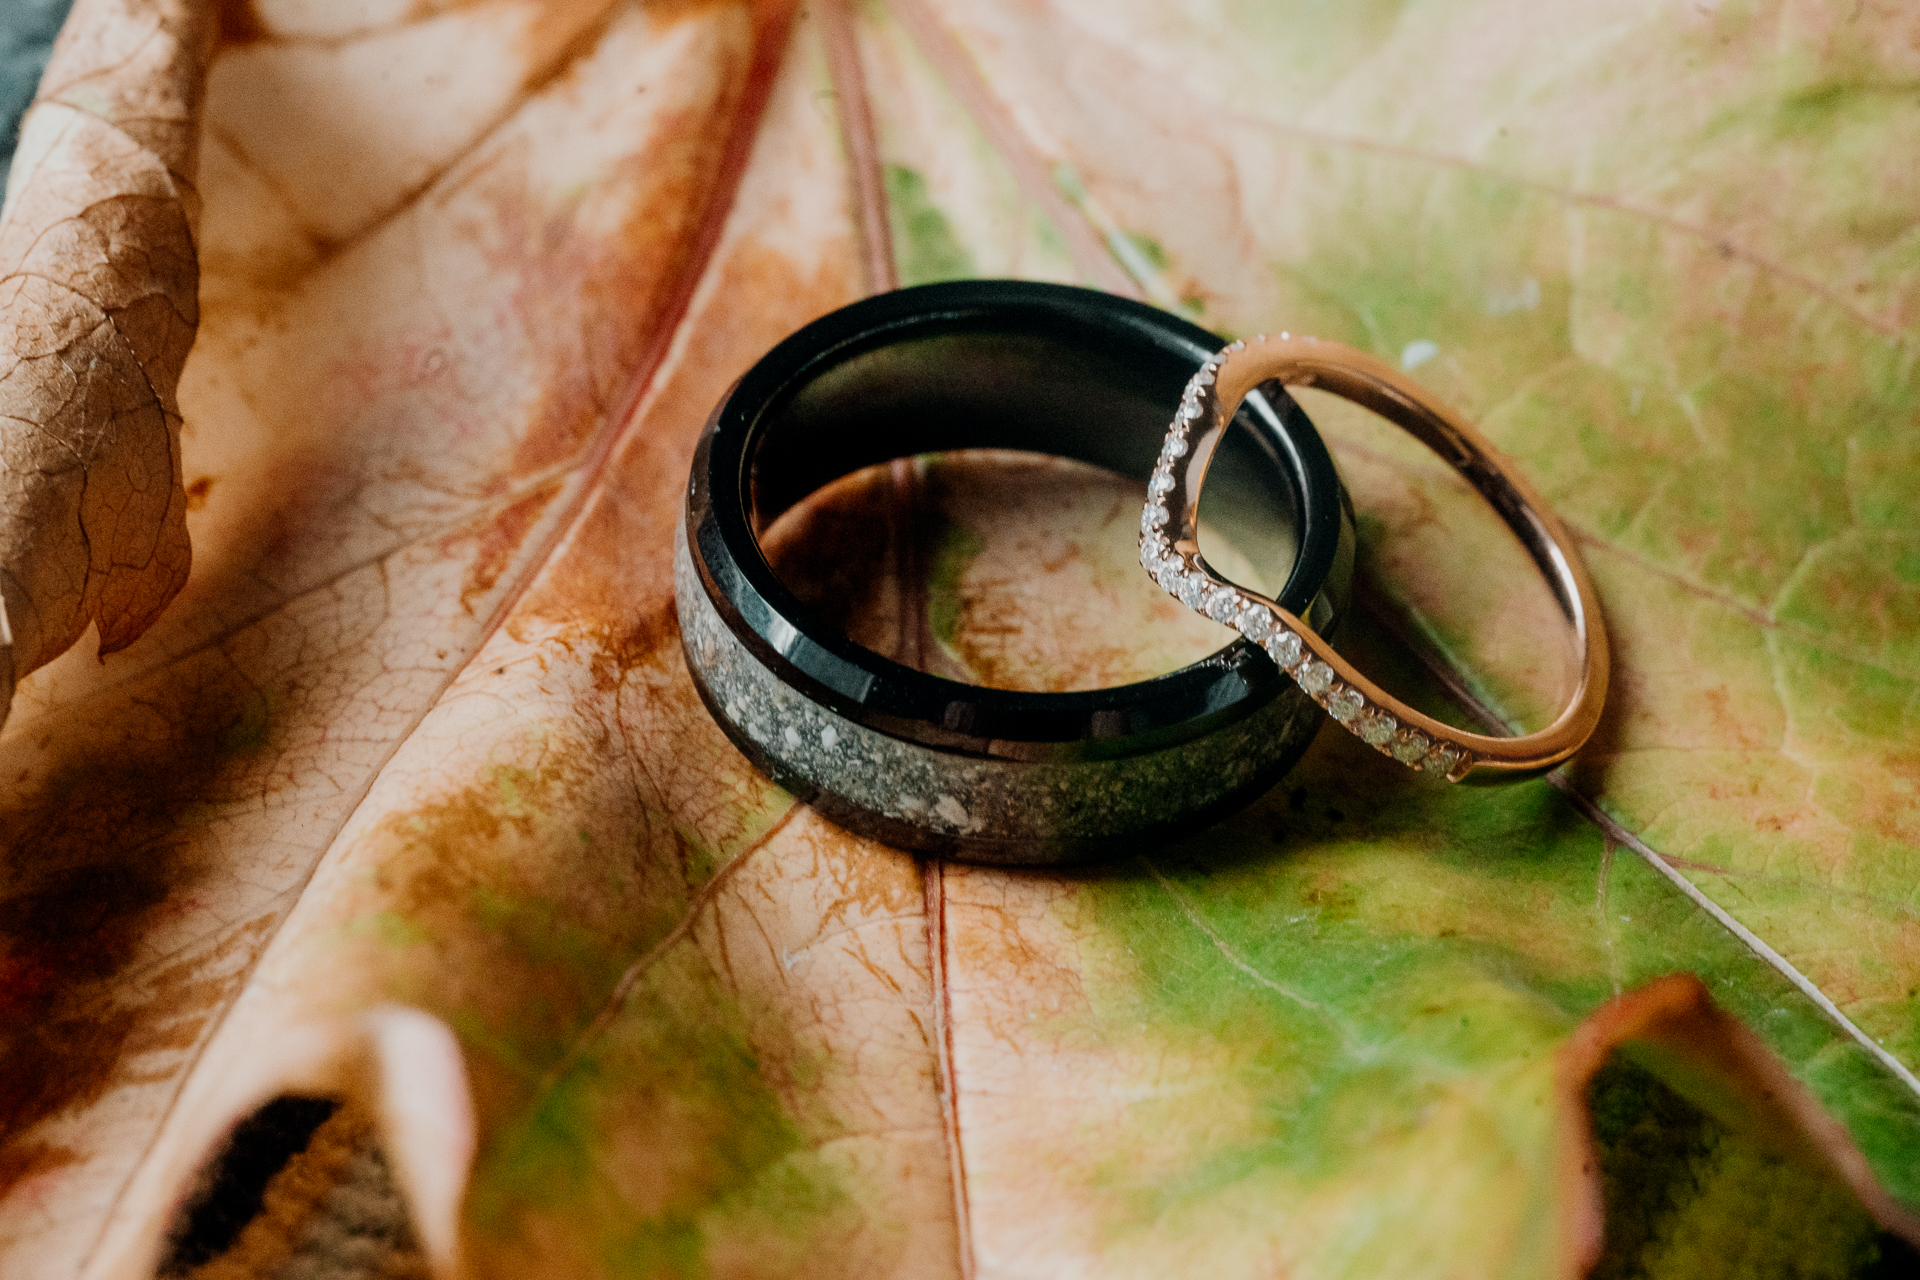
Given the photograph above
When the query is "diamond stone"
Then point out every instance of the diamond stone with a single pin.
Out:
(1376, 728)
(1285, 648)
(1176, 446)
(1223, 606)
(1443, 761)
(1316, 676)
(1410, 746)
(1192, 590)
(1254, 622)
(1152, 518)
(1161, 483)
(1344, 704)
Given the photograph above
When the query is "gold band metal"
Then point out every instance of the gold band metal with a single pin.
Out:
(1170, 551)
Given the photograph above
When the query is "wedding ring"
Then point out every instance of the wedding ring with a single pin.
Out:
(945, 767)
(1170, 551)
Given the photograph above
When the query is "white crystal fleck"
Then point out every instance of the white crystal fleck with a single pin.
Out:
(952, 811)
(792, 737)
(829, 737)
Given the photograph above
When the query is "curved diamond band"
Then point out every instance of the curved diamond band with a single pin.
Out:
(1169, 550)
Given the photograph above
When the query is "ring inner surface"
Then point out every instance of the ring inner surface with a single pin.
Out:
(1029, 391)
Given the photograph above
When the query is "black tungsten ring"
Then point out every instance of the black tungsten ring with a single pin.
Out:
(942, 767)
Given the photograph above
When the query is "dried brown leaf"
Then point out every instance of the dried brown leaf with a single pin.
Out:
(99, 284)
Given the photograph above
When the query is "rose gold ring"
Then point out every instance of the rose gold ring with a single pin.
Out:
(1170, 550)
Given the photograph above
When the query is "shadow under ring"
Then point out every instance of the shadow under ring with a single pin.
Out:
(942, 767)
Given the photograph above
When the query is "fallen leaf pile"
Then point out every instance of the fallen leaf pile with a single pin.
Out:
(406, 798)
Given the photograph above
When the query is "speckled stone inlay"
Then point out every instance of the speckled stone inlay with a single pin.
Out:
(985, 809)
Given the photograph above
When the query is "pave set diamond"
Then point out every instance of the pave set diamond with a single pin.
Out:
(1252, 618)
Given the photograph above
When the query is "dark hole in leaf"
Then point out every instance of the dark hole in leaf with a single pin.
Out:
(232, 1187)
(1688, 1195)
(1898, 1260)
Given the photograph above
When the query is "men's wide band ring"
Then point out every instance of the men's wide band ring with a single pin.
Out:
(938, 765)
(1170, 551)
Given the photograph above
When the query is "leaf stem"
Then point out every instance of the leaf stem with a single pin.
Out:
(934, 873)
(863, 149)
(1031, 170)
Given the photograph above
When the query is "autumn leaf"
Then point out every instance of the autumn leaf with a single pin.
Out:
(98, 305)
(408, 799)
